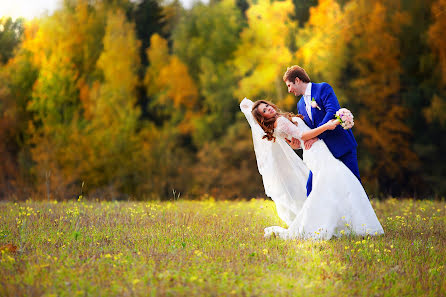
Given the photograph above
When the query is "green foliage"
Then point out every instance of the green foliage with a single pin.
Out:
(209, 32)
(220, 107)
(10, 35)
(17, 77)
(55, 95)
(206, 39)
(302, 10)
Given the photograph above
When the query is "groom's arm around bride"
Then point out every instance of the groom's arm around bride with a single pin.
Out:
(318, 105)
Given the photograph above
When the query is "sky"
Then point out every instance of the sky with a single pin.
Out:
(34, 8)
(27, 8)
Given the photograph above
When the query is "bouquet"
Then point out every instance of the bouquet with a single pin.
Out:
(345, 116)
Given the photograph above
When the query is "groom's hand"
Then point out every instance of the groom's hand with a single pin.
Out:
(294, 143)
(308, 143)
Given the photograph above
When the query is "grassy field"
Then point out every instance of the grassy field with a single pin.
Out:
(209, 248)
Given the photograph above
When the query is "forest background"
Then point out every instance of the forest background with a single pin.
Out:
(140, 100)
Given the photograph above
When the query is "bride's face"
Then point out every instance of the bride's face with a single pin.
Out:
(266, 110)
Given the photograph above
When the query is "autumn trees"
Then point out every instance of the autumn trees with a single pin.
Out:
(142, 98)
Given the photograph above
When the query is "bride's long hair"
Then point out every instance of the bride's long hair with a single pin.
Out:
(268, 124)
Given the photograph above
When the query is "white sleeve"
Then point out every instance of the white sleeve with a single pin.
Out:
(286, 127)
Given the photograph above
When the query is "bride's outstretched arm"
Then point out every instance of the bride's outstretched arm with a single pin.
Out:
(287, 127)
(330, 125)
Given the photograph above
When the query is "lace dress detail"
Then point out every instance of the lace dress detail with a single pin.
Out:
(287, 129)
(337, 203)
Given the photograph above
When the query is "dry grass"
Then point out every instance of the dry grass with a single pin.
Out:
(212, 248)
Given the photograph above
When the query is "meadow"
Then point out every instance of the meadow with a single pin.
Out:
(213, 248)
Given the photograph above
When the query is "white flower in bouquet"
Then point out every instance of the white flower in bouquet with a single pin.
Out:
(345, 116)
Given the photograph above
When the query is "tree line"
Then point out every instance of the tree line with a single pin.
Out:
(120, 99)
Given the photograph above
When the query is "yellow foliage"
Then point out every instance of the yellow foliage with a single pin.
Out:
(120, 58)
(31, 41)
(119, 63)
(321, 43)
(263, 55)
(158, 52)
(181, 88)
(168, 78)
(436, 111)
(187, 125)
(73, 33)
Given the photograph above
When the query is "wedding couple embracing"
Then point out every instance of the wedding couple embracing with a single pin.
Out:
(321, 196)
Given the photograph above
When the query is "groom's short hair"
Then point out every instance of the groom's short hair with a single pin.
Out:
(296, 71)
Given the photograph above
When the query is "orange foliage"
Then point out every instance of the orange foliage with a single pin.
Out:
(381, 124)
(167, 77)
(9, 247)
(436, 34)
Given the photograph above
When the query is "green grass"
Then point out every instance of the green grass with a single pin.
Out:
(209, 248)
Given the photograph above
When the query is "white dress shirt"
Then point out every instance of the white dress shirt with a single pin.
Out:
(307, 98)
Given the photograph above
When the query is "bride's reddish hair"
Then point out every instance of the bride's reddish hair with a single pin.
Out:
(268, 124)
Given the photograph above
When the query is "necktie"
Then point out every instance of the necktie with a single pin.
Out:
(308, 106)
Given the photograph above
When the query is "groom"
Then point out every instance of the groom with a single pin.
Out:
(340, 142)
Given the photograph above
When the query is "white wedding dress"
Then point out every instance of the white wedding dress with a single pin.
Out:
(337, 204)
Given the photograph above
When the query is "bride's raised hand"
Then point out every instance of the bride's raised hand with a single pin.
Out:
(332, 124)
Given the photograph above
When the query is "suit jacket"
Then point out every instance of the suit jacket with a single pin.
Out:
(339, 141)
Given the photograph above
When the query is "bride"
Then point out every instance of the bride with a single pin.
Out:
(337, 204)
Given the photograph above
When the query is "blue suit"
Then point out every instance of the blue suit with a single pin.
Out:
(340, 142)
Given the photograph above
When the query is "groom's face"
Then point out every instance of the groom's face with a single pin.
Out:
(293, 88)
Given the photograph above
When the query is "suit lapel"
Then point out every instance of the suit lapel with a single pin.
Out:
(303, 111)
